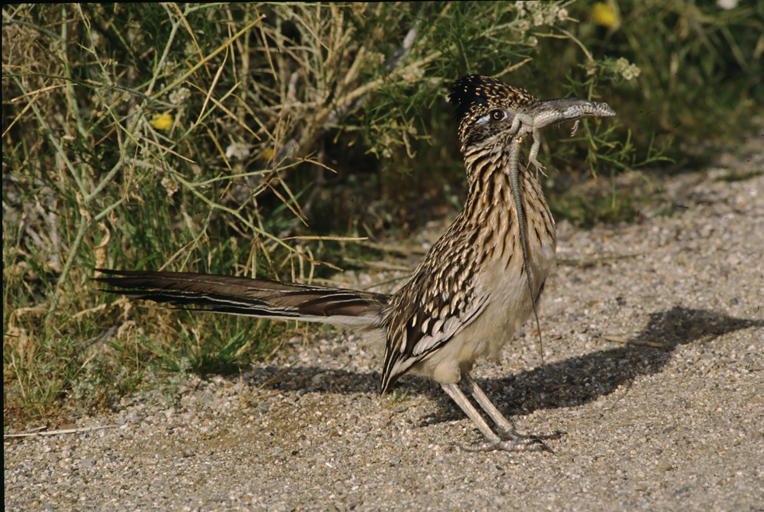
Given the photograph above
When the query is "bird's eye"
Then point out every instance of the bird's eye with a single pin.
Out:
(498, 115)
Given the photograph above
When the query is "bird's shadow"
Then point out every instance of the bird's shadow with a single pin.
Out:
(568, 383)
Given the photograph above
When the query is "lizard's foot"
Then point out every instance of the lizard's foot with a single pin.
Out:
(539, 168)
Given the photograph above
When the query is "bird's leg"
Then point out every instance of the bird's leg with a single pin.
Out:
(506, 428)
(528, 443)
(462, 401)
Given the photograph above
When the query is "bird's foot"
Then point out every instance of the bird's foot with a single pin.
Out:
(511, 441)
(528, 445)
(513, 435)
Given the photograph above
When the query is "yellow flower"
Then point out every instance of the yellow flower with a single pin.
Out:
(603, 14)
(161, 121)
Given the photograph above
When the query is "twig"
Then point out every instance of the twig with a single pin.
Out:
(57, 432)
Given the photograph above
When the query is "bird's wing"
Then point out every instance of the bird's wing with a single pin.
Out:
(435, 305)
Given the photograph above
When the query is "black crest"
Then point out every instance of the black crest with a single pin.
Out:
(472, 90)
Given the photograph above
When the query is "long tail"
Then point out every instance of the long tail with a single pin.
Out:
(252, 297)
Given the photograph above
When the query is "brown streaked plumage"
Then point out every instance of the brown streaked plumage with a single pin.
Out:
(474, 288)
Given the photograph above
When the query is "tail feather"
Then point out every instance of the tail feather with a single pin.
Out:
(252, 297)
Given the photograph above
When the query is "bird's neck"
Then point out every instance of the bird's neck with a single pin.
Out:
(489, 183)
(490, 204)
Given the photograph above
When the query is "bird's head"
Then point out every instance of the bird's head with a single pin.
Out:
(486, 108)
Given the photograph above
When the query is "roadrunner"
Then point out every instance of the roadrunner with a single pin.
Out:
(474, 289)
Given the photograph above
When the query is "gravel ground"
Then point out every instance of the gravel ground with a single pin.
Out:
(653, 364)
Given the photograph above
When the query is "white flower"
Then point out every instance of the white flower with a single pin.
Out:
(237, 150)
(178, 96)
(170, 185)
(628, 71)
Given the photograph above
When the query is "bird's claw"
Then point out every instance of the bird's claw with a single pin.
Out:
(513, 435)
(528, 445)
(511, 441)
